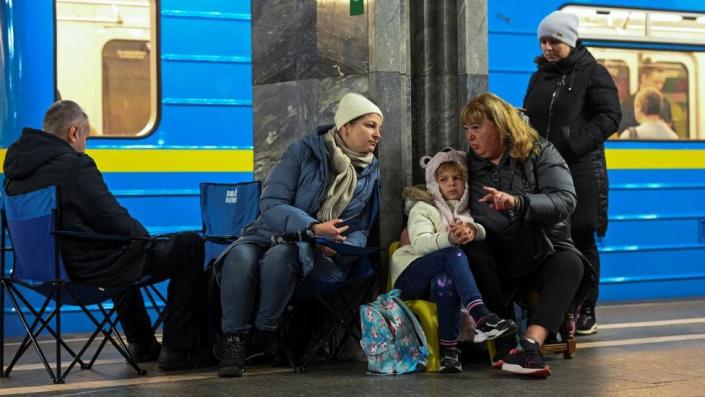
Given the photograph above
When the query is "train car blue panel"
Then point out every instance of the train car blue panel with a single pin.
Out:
(519, 81)
(28, 83)
(220, 80)
(214, 125)
(158, 183)
(215, 6)
(652, 290)
(205, 33)
(654, 231)
(643, 270)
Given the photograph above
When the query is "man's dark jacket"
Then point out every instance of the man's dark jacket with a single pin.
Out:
(574, 104)
(39, 159)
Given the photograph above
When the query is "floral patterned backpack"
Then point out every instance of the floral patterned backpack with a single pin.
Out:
(392, 337)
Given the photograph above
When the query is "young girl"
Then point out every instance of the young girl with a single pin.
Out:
(432, 267)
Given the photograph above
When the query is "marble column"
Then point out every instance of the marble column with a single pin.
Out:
(448, 65)
(472, 54)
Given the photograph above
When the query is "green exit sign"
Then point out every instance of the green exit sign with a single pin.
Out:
(357, 7)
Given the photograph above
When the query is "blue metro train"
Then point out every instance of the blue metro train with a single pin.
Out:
(167, 86)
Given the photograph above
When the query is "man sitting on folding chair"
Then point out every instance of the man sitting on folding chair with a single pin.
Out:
(56, 156)
(325, 183)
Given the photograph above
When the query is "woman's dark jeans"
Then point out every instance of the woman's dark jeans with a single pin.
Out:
(257, 281)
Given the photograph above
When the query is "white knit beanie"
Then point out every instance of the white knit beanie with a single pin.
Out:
(352, 106)
(561, 26)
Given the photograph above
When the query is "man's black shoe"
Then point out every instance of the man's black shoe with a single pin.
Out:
(232, 352)
(174, 359)
(144, 352)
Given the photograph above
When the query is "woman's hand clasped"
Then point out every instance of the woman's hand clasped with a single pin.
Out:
(498, 200)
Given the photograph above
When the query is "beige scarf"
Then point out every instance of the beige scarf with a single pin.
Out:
(342, 177)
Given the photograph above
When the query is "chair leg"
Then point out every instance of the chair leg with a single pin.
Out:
(2, 319)
(45, 324)
(110, 334)
(30, 334)
(570, 353)
(31, 331)
(59, 377)
(161, 313)
(312, 353)
(352, 328)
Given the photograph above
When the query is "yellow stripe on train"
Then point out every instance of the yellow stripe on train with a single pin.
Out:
(655, 159)
(170, 160)
(230, 160)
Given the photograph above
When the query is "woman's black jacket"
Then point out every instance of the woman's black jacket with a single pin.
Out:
(574, 104)
(525, 237)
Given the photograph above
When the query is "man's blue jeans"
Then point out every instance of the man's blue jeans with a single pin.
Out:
(257, 282)
(443, 277)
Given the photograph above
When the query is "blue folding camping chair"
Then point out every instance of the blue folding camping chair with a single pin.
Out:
(340, 300)
(30, 219)
(226, 208)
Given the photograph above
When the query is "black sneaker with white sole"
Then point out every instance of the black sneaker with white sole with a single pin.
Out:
(450, 361)
(492, 326)
(502, 347)
(587, 323)
(526, 360)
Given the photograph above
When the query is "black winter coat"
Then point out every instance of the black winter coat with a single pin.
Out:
(38, 160)
(545, 189)
(574, 104)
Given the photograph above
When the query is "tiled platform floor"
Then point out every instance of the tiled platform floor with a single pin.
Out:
(646, 349)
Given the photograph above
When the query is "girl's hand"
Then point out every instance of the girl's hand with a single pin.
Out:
(461, 233)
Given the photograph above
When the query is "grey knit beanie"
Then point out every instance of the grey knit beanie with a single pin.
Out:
(561, 26)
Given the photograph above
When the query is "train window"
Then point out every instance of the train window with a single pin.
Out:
(639, 25)
(675, 73)
(669, 73)
(619, 70)
(105, 61)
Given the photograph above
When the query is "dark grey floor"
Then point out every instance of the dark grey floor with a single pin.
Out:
(647, 349)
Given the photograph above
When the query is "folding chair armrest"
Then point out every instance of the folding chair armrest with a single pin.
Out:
(98, 236)
(220, 239)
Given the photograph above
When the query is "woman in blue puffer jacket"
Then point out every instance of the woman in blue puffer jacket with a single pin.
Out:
(322, 179)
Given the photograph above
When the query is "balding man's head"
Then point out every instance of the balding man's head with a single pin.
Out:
(66, 120)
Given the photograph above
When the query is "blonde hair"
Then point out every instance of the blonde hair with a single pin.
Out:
(453, 166)
(512, 128)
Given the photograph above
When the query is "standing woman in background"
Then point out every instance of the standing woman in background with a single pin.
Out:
(572, 101)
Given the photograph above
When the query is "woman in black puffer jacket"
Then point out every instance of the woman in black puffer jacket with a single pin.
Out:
(572, 102)
(521, 191)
